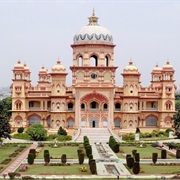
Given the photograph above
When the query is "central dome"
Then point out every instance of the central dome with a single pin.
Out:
(93, 33)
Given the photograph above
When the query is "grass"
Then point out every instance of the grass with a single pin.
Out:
(162, 170)
(5, 151)
(70, 151)
(145, 153)
(39, 169)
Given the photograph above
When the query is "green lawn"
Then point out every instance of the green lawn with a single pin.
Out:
(145, 153)
(5, 151)
(70, 151)
(40, 169)
(151, 169)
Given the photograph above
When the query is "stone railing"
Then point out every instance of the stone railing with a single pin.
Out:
(77, 134)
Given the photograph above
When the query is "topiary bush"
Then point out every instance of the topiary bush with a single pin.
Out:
(20, 130)
(178, 154)
(33, 151)
(63, 159)
(81, 158)
(62, 131)
(137, 157)
(92, 166)
(47, 158)
(30, 158)
(163, 154)
(136, 168)
(154, 157)
(130, 162)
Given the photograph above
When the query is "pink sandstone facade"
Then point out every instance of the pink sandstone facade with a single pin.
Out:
(93, 100)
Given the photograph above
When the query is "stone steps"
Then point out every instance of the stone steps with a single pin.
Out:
(94, 135)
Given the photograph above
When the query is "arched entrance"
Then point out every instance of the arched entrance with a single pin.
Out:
(94, 123)
(105, 123)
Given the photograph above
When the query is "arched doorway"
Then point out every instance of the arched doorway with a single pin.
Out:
(105, 123)
(94, 123)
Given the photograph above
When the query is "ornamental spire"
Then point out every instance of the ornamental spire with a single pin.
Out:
(93, 20)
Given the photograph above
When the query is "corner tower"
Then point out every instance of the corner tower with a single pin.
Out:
(93, 74)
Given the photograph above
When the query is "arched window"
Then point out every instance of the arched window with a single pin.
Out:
(94, 60)
(70, 106)
(70, 123)
(82, 107)
(151, 121)
(94, 105)
(117, 107)
(80, 61)
(49, 122)
(34, 120)
(83, 122)
(117, 123)
(105, 107)
(106, 61)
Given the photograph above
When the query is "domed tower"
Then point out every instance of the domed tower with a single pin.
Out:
(93, 56)
(156, 79)
(93, 75)
(19, 88)
(44, 78)
(131, 86)
(168, 94)
(58, 95)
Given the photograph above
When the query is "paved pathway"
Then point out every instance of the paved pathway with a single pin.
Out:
(15, 164)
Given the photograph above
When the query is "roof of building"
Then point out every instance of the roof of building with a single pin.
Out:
(93, 32)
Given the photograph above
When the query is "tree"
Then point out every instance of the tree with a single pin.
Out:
(5, 107)
(176, 119)
(37, 132)
(5, 128)
(62, 131)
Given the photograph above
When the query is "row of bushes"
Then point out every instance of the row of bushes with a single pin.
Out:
(47, 138)
(88, 149)
(153, 134)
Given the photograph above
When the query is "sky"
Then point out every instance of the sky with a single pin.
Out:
(39, 32)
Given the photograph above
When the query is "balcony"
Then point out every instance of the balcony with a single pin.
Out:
(70, 109)
(34, 108)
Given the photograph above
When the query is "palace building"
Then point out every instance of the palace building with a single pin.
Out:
(93, 100)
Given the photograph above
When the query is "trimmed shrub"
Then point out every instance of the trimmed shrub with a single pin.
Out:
(46, 152)
(114, 145)
(90, 158)
(178, 154)
(20, 130)
(127, 156)
(163, 154)
(33, 151)
(12, 175)
(93, 166)
(137, 157)
(63, 159)
(62, 131)
(154, 157)
(30, 158)
(130, 162)
(134, 152)
(88, 150)
(136, 168)
(46, 158)
(138, 130)
(81, 158)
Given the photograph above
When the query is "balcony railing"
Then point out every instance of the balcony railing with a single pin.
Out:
(70, 109)
(117, 109)
(34, 108)
(152, 109)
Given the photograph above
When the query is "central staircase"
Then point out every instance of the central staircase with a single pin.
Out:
(94, 134)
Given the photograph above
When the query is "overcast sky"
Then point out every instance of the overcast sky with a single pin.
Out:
(38, 32)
